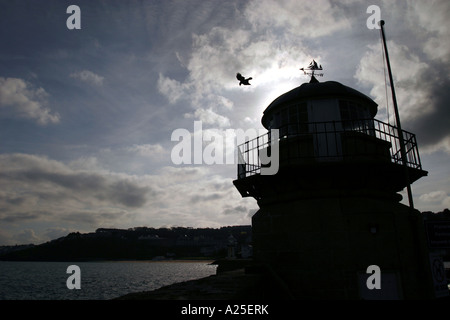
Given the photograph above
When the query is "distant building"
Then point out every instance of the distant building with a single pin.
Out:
(231, 247)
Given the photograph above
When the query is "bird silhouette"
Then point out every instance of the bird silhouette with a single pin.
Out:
(242, 79)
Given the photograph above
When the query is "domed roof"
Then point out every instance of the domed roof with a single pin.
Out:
(319, 90)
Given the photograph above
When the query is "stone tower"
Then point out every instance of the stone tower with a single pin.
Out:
(333, 208)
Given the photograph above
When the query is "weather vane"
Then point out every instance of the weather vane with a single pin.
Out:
(312, 67)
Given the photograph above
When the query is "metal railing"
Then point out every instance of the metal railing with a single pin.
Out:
(331, 141)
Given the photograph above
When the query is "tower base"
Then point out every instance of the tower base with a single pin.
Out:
(322, 248)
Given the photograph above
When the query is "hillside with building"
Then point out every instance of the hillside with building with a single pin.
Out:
(140, 243)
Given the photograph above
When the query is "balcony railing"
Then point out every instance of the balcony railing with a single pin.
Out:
(332, 141)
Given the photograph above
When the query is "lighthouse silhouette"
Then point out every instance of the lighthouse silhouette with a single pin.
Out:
(333, 210)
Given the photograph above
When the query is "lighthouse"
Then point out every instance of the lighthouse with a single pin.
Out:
(332, 212)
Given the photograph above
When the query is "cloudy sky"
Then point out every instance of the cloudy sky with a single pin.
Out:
(86, 116)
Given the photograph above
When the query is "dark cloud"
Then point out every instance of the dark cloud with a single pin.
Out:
(128, 194)
(81, 182)
(433, 127)
(421, 86)
(93, 217)
(12, 200)
(208, 197)
(34, 188)
(15, 217)
(222, 186)
(81, 185)
(235, 210)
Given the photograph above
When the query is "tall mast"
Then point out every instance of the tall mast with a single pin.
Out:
(397, 119)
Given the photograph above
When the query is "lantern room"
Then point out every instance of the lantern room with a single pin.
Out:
(317, 102)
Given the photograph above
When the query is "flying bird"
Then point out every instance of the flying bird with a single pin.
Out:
(242, 79)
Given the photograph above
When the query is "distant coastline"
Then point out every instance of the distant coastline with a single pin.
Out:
(137, 244)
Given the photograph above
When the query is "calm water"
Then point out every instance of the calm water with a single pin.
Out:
(99, 280)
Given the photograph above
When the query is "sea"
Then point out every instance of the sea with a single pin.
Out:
(97, 280)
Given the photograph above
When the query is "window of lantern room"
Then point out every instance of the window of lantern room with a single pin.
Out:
(355, 117)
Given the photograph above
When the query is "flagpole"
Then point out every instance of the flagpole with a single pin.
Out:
(397, 119)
